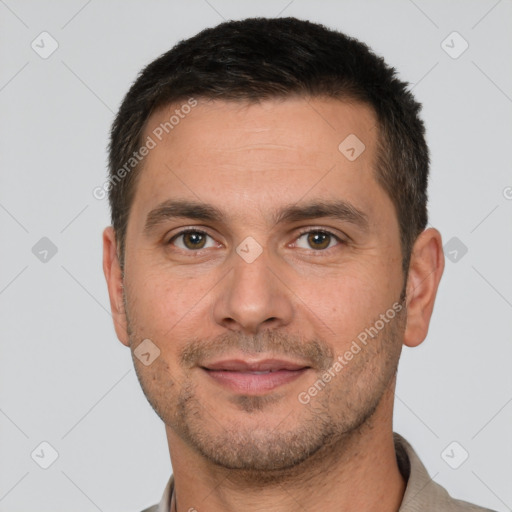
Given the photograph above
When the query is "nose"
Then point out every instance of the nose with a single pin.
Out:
(251, 297)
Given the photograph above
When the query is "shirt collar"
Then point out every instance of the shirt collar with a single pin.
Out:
(165, 502)
(421, 491)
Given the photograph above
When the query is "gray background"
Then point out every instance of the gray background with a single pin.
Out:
(64, 377)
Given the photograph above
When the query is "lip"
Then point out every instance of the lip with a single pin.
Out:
(254, 377)
(241, 365)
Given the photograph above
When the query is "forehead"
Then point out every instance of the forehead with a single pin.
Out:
(258, 152)
(309, 126)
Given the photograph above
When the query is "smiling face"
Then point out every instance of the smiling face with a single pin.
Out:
(255, 244)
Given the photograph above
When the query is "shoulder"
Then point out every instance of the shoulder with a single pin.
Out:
(464, 506)
(165, 502)
(453, 505)
(422, 492)
(153, 508)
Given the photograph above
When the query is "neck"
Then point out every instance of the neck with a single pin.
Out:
(356, 473)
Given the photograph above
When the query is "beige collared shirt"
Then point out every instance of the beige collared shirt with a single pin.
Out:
(422, 494)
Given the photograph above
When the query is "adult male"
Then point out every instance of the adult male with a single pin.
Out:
(267, 261)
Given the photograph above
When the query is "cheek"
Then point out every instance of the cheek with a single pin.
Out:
(344, 304)
(168, 310)
(162, 295)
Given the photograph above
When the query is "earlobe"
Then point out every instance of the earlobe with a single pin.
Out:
(425, 271)
(114, 278)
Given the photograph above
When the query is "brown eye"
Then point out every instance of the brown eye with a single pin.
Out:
(317, 240)
(192, 240)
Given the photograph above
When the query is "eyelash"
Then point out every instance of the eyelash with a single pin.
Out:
(300, 234)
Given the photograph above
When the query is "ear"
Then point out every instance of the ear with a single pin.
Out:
(113, 275)
(425, 271)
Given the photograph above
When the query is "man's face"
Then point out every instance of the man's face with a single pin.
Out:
(247, 292)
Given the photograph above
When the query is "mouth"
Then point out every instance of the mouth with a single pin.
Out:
(254, 377)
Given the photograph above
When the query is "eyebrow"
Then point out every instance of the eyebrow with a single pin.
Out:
(337, 209)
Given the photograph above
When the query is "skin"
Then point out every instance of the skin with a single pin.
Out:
(234, 451)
